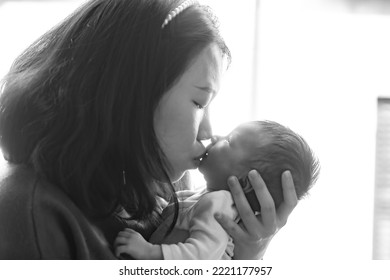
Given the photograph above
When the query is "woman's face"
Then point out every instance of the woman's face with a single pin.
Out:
(181, 119)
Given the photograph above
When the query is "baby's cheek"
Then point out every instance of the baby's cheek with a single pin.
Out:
(215, 179)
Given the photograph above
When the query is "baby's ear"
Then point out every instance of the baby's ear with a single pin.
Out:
(250, 193)
(245, 184)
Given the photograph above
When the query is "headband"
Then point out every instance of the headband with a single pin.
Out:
(172, 14)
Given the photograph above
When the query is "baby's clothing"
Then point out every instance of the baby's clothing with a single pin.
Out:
(197, 235)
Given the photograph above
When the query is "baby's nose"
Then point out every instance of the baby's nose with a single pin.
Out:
(215, 139)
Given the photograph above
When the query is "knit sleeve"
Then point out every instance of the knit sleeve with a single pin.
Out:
(39, 221)
(63, 231)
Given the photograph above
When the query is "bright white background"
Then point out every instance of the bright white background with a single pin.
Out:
(319, 71)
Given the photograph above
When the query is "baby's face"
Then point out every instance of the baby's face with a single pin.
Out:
(229, 156)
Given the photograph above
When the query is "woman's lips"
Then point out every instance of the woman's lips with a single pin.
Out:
(198, 160)
(204, 156)
(201, 157)
(202, 161)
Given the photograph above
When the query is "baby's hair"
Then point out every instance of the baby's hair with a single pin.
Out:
(286, 150)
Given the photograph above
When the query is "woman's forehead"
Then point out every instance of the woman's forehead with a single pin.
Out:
(207, 67)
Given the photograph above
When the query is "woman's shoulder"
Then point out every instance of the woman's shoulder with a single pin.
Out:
(16, 213)
(39, 221)
(22, 189)
(16, 188)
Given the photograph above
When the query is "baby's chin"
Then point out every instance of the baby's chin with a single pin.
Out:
(217, 186)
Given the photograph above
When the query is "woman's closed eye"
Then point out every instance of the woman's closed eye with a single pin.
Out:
(199, 106)
(226, 140)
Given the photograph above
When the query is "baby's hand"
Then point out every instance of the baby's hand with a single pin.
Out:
(131, 242)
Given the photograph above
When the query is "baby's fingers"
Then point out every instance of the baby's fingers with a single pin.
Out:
(120, 241)
(124, 233)
(120, 250)
(124, 237)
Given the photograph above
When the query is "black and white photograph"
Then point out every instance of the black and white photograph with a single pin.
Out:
(251, 137)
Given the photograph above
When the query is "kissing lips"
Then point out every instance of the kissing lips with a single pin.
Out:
(201, 157)
(202, 162)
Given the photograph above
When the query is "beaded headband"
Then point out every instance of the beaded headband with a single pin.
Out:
(172, 14)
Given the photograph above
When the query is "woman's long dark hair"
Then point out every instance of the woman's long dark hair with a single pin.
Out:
(78, 104)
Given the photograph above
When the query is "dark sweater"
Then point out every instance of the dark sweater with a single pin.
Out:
(39, 221)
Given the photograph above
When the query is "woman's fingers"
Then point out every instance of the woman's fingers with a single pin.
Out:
(252, 238)
(267, 205)
(230, 226)
(290, 197)
(244, 209)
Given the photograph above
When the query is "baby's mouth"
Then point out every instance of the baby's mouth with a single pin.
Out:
(204, 156)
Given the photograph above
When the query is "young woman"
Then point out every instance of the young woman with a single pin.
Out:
(97, 113)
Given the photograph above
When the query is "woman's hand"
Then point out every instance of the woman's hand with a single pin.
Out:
(252, 237)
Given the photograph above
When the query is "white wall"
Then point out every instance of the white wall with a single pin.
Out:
(23, 22)
(321, 70)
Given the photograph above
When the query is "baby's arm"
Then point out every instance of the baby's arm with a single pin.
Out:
(131, 242)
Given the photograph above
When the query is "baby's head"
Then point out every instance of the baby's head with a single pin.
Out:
(267, 147)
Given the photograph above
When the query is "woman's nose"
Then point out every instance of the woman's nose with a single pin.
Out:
(205, 132)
